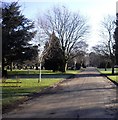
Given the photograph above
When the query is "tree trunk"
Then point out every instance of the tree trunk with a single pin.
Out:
(64, 66)
(113, 70)
(113, 63)
(106, 66)
(11, 66)
(54, 70)
(36, 67)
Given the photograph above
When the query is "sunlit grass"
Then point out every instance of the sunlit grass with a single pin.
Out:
(114, 78)
(27, 86)
(109, 74)
(108, 71)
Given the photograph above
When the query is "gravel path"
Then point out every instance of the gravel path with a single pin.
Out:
(88, 95)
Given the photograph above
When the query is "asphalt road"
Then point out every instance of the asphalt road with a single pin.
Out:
(88, 95)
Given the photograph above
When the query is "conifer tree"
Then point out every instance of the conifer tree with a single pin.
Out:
(116, 39)
(17, 32)
(53, 57)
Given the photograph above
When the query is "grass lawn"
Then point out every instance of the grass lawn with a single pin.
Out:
(114, 78)
(42, 71)
(108, 71)
(11, 92)
(109, 74)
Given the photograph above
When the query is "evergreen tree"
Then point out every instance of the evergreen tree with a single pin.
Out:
(53, 58)
(116, 39)
(17, 32)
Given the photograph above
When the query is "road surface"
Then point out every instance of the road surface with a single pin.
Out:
(88, 95)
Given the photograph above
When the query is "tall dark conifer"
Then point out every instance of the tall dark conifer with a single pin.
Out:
(17, 32)
(116, 39)
(53, 58)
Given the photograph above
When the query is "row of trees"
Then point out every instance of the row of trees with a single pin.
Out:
(62, 31)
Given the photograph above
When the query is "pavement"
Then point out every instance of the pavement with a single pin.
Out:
(88, 95)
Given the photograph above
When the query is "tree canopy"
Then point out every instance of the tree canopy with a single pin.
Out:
(70, 28)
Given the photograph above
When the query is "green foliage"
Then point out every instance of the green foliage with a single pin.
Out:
(17, 32)
(54, 57)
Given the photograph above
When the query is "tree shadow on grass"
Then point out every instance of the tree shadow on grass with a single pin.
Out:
(43, 76)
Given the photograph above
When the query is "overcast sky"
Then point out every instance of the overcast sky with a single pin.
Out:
(95, 10)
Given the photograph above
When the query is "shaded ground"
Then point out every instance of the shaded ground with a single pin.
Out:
(42, 76)
(88, 95)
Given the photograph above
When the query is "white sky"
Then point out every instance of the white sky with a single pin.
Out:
(95, 10)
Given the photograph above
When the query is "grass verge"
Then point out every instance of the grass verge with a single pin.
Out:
(109, 75)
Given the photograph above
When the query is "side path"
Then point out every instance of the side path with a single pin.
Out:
(88, 95)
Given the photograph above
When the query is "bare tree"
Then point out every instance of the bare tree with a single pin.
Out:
(107, 44)
(69, 27)
(101, 57)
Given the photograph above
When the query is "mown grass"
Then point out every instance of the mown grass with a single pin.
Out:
(114, 78)
(11, 92)
(108, 73)
(42, 71)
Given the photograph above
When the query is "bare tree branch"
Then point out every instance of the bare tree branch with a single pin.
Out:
(69, 27)
(107, 32)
